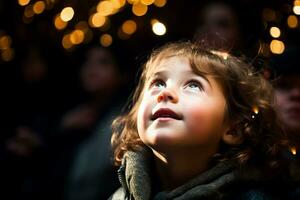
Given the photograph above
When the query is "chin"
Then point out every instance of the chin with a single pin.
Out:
(163, 140)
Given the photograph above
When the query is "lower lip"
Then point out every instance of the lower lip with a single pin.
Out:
(164, 119)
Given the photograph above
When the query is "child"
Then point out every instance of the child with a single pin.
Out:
(198, 121)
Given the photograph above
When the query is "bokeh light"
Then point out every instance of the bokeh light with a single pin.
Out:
(133, 1)
(255, 109)
(97, 20)
(66, 42)
(129, 27)
(147, 2)
(105, 8)
(59, 23)
(5, 42)
(39, 7)
(277, 47)
(139, 9)
(275, 32)
(77, 37)
(67, 14)
(293, 150)
(106, 40)
(158, 28)
(292, 21)
(117, 4)
(296, 10)
(7, 54)
(160, 3)
(23, 2)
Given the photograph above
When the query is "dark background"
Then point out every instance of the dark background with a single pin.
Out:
(59, 90)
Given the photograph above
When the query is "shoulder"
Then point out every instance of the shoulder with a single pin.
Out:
(119, 194)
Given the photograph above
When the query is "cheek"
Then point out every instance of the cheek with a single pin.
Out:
(204, 120)
(196, 118)
(141, 117)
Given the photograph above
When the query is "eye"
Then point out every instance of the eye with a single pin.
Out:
(194, 85)
(157, 83)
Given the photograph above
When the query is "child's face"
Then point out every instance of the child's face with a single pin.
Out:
(181, 109)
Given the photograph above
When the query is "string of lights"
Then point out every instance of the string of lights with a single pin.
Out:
(74, 31)
(98, 19)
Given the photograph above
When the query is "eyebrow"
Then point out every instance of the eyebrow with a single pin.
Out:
(202, 75)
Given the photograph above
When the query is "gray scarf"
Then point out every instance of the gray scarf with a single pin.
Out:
(135, 176)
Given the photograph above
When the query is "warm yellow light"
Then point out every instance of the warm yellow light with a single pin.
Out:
(67, 14)
(129, 27)
(292, 21)
(105, 8)
(39, 7)
(139, 9)
(147, 2)
(293, 150)
(5, 42)
(160, 3)
(8, 54)
(277, 47)
(23, 2)
(296, 10)
(269, 14)
(255, 109)
(297, 3)
(133, 1)
(158, 28)
(117, 4)
(275, 32)
(28, 11)
(66, 42)
(59, 23)
(77, 37)
(106, 40)
(97, 20)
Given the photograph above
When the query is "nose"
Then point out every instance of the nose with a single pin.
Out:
(167, 95)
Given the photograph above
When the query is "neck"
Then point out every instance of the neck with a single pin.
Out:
(179, 167)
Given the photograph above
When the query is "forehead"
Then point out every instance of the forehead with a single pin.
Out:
(181, 63)
(173, 63)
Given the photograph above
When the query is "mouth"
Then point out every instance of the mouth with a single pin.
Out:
(165, 113)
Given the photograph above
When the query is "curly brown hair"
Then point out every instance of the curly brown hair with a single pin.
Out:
(249, 105)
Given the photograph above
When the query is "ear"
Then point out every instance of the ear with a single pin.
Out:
(230, 137)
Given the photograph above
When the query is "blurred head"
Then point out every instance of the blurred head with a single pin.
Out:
(218, 26)
(241, 101)
(287, 90)
(100, 72)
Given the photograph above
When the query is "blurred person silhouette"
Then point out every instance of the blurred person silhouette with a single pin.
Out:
(218, 27)
(21, 164)
(286, 69)
(40, 154)
(83, 167)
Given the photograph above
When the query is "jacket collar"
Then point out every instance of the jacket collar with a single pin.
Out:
(134, 175)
